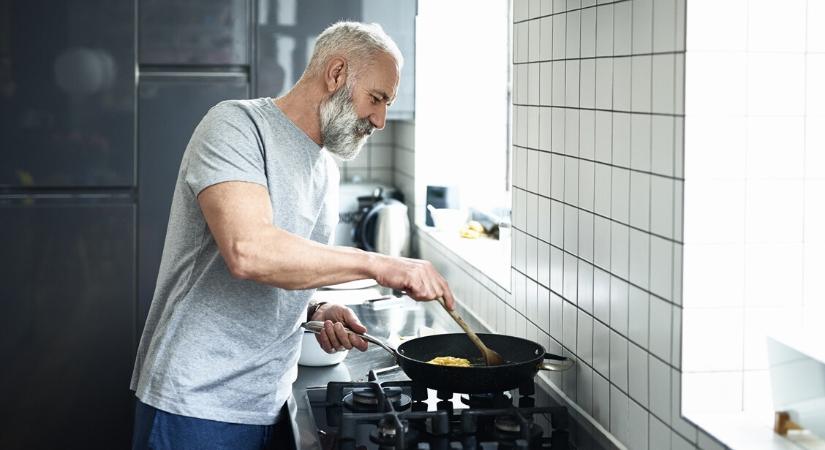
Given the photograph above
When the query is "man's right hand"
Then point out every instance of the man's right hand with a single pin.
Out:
(418, 278)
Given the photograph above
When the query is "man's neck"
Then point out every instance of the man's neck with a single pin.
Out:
(301, 106)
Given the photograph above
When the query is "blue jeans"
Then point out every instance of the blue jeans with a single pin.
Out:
(160, 430)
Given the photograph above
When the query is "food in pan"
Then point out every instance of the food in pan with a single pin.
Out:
(450, 361)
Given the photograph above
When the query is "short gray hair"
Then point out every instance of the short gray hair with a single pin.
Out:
(357, 42)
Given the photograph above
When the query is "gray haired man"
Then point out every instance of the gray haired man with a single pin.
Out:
(248, 240)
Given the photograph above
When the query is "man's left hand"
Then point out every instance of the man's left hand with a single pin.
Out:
(334, 338)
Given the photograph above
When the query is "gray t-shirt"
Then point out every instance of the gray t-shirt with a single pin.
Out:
(216, 347)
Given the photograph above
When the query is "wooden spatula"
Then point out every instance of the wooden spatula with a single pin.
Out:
(490, 356)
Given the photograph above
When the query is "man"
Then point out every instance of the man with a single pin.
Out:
(253, 211)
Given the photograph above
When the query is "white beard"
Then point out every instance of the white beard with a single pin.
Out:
(342, 132)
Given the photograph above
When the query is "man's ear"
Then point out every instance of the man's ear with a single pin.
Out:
(335, 74)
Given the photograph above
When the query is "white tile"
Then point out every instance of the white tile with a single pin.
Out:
(601, 400)
(681, 14)
(638, 313)
(621, 139)
(604, 30)
(640, 200)
(544, 219)
(543, 264)
(531, 256)
(559, 6)
(676, 339)
(558, 80)
(545, 172)
(659, 379)
(573, 28)
(721, 351)
(638, 422)
(774, 211)
(531, 306)
(585, 247)
(776, 29)
(679, 443)
(571, 78)
(571, 267)
(533, 85)
(532, 126)
(640, 141)
(717, 86)
(545, 38)
(543, 303)
(520, 10)
(556, 269)
(618, 305)
(532, 206)
(604, 137)
(659, 434)
(661, 267)
(601, 348)
(662, 150)
(679, 82)
(556, 316)
(664, 26)
(663, 84)
(588, 33)
(557, 223)
(569, 327)
(602, 185)
(641, 83)
(661, 206)
(712, 392)
(773, 275)
(642, 26)
(601, 295)
(521, 33)
(557, 123)
(571, 132)
(601, 242)
(756, 391)
(584, 384)
(584, 340)
(587, 134)
(585, 293)
(569, 378)
(545, 83)
(815, 92)
(637, 359)
(816, 34)
(776, 84)
(533, 170)
(545, 7)
(587, 85)
(619, 423)
(557, 177)
(559, 34)
(815, 148)
(618, 360)
(717, 147)
(622, 83)
(768, 134)
(571, 229)
(619, 249)
(621, 29)
(814, 217)
(724, 25)
(661, 320)
(639, 268)
(604, 83)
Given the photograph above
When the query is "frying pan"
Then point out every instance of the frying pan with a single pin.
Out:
(524, 359)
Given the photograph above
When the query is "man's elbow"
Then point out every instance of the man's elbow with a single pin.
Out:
(240, 260)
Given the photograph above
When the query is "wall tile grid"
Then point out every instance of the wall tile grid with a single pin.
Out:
(403, 173)
(757, 179)
(598, 122)
(376, 160)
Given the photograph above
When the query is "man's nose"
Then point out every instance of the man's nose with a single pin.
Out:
(379, 118)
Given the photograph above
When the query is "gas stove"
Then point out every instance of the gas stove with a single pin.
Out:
(386, 412)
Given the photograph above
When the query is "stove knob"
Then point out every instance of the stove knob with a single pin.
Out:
(423, 446)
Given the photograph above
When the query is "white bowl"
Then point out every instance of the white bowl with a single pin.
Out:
(313, 355)
(448, 220)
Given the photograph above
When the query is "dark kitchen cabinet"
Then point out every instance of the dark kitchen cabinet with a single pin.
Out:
(67, 84)
(170, 108)
(66, 322)
(194, 32)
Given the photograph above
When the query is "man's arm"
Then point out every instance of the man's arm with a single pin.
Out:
(239, 216)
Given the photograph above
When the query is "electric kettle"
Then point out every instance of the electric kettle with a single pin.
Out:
(385, 228)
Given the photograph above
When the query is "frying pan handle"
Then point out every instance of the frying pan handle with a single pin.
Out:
(317, 327)
(556, 363)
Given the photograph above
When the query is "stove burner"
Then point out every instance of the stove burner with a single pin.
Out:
(507, 424)
(492, 400)
(364, 399)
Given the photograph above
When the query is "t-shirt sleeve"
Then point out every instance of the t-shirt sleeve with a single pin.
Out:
(225, 147)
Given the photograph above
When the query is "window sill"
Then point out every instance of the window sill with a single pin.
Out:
(491, 257)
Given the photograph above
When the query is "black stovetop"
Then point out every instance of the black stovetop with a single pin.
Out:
(386, 412)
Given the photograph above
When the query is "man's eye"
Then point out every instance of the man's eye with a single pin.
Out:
(375, 100)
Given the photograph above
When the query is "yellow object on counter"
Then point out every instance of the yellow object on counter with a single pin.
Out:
(450, 361)
(472, 230)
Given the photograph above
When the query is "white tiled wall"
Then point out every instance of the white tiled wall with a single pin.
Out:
(598, 122)
(753, 203)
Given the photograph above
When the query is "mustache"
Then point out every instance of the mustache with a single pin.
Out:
(364, 127)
